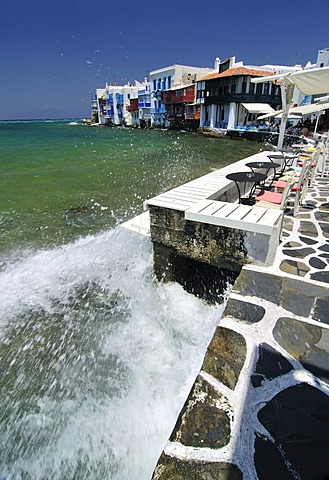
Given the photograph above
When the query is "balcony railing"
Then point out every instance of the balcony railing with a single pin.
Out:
(144, 105)
(243, 97)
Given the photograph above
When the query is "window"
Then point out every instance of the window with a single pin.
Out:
(244, 87)
(169, 81)
(259, 88)
(233, 88)
(154, 84)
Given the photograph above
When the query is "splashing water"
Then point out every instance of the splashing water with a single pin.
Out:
(97, 359)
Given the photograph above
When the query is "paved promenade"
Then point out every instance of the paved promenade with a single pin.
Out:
(258, 409)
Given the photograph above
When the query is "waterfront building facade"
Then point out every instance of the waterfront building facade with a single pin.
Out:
(112, 103)
(228, 99)
(168, 78)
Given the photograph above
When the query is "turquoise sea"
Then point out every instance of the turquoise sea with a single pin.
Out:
(96, 356)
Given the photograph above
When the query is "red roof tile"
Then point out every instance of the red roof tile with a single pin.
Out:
(237, 71)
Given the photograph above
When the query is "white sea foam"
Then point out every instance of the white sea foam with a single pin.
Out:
(98, 360)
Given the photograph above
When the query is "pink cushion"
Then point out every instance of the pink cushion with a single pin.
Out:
(300, 164)
(271, 197)
(281, 185)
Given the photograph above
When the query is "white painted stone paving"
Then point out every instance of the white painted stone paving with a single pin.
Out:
(286, 437)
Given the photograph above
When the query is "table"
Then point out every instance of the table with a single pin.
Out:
(267, 166)
(244, 178)
(287, 160)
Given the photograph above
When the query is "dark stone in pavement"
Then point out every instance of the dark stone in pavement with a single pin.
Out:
(270, 364)
(269, 463)
(300, 253)
(321, 310)
(322, 216)
(261, 285)
(292, 245)
(324, 206)
(325, 229)
(308, 228)
(201, 423)
(324, 248)
(298, 420)
(320, 276)
(308, 241)
(294, 268)
(245, 311)
(315, 262)
(288, 223)
(172, 468)
(225, 356)
(308, 344)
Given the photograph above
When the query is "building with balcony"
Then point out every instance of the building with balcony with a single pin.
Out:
(134, 112)
(168, 78)
(228, 99)
(112, 104)
(181, 110)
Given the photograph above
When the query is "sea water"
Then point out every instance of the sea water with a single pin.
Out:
(96, 356)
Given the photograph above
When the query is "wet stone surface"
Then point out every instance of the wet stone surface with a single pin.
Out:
(267, 454)
(202, 422)
(270, 364)
(261, 285)
(294, 268)
(308, 344)
(172, 468)
(297, 418)
(225, 356)
(308, 228)
(300, 253)
(245, 311)
(321, 310)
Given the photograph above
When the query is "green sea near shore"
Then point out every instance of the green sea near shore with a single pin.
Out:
(60, 181)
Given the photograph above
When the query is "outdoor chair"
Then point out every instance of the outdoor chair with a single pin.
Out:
(299, 185)
(275, 200)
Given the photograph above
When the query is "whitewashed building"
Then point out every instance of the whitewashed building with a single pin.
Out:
(112, 103)
(167, 78)
(229, 99)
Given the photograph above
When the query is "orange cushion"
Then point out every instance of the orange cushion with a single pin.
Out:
(271, 197)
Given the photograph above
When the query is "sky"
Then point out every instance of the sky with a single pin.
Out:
(54, 54)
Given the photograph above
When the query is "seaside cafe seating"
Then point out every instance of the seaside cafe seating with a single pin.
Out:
(269, 199)
(275, 200)
(300, 182)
